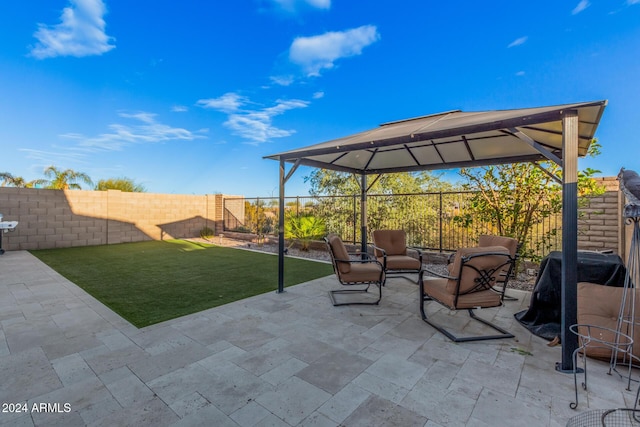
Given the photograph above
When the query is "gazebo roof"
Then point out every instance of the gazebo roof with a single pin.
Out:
(453, 139)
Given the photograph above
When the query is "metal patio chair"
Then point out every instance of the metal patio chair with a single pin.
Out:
(357, 275)
(476, 271)
(390, 249)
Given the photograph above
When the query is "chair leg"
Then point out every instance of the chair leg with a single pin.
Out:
(404, 276)
(355, 291)
(503, 333)
(504, 296)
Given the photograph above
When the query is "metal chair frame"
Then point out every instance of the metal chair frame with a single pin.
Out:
(402, 271)
(484, 281)
(364, 260)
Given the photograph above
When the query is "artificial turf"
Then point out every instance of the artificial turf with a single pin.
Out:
(153, 281)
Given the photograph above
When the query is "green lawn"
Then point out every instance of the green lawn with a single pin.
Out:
(150, 282)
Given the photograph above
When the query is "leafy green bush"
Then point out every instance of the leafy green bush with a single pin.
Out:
(206, 233)
(304, 229)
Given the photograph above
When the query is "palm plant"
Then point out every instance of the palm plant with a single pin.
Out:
(304, 229)
(65, 180)
(18, 181)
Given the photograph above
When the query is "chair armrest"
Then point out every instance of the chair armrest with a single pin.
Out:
(433, 273)
(384, 254)
(358, 254)
(417, 250)
(378, 248)
(466, 258)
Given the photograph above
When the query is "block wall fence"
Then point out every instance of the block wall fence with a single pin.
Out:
(65, 218)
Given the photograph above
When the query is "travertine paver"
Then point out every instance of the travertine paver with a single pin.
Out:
(287, 359)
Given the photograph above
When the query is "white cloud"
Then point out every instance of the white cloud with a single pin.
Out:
(292, 5)
(179, 109)
(254, 125)
(316, 53)
(518, 41)
(581, 6)
(81, 32)
(60, 155)
(320, 4)
(318, 95)
(283, 80)
(146, 130)
(227, 103)
(520, 73)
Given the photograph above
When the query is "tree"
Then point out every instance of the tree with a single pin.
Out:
(392, 202)
(18, 181)
(331, 183)
(514, 198)
(65, 180)
(124, 184)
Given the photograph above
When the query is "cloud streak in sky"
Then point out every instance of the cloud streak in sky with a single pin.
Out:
(146, 130)
(292, 5)
(518, 41)
(316, 53)
(254, 125)
(81, 32)
(580, 7)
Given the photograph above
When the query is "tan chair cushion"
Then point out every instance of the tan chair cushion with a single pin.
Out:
(437, 288)
(599, 305)
(363, 272)
(402, 262)
(339, 252)
(394, 242)
(507, 242)
(487, 240)
(467, 281)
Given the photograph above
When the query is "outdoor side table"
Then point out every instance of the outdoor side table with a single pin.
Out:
(594, 337)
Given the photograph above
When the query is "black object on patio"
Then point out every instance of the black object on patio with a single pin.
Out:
(544, 315)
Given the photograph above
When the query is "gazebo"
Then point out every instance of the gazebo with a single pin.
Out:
(456, 139)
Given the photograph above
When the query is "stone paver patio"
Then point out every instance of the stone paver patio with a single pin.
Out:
(287, 359)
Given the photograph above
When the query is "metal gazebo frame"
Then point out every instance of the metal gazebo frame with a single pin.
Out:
(456, 139)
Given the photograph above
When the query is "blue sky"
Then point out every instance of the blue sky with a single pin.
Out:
(187, 97)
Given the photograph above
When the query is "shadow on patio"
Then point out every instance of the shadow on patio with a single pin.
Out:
(276, 359)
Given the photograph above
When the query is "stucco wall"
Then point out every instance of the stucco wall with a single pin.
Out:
(55, 218)
(600, 224)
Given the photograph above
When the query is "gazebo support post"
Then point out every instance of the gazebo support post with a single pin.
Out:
(569, 293)
(281, 230)
(283, 179)
(363, 214)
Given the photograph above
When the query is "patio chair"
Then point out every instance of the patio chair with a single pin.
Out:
(359, 273)
(487, 240)
(513, 246)
(476, 271)
(390, 249)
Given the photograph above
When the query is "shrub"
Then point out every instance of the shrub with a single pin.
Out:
(206, 233)
(304, 229)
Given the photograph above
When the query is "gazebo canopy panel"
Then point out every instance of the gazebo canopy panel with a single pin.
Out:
(453, 139)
